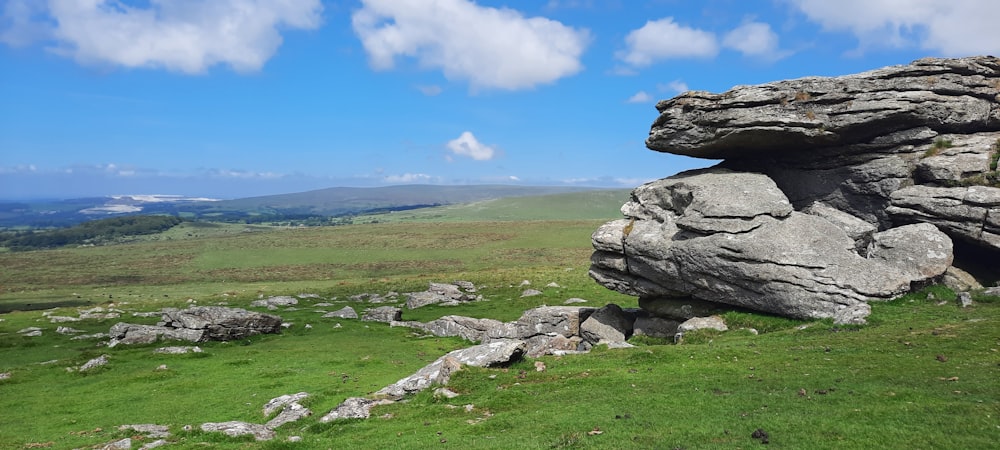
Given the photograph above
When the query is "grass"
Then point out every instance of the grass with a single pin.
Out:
(936, 147)
(923, 374)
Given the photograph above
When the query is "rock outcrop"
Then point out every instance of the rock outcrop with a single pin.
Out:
(197, 324)
(832, 192)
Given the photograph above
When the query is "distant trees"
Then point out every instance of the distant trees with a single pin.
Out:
(92, 232)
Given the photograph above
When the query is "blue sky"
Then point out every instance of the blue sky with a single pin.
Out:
(237, 98)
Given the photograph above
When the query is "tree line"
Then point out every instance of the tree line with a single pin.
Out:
(92, 232)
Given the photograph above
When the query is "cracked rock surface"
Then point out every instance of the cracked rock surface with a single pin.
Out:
(732, 238)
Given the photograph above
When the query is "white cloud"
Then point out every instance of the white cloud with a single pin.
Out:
(640, 97)
(409, 178)
(755, 40)
(952, 28)
(675, 87)
(185, 36)
(489, 47)
(665, 39)
(468, 145)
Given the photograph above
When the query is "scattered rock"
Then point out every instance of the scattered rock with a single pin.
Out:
(121, 444)
(68, 330)
(386, 314)
(280, 402)
(289, 413)
(467, 328)
(30, 332)
(197, 324)
(148, 429)
(344, 313)
(94, 363)
(354, 408)
(273, 303)
(531, 293)
(574, 300)
(439, 371)
(702, 323)
(964, 299)
(237, 428)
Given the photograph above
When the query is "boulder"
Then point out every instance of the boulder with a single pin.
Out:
(197, 324)
(608, 324)
(802, 115)
(274, 302)
(969, 213)
(733, 238)
(280, 402)
(467, 328)
(344, 313)
(437, 293)
(544, 320)
(219, 323)
(354, 408)
(386, 314)
(702, 323)
(439, 372)
(237, 428)
(289, 413)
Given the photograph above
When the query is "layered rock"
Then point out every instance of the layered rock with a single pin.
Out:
(832, 192)
(197, 324)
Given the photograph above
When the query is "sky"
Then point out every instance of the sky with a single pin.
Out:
(240, 98)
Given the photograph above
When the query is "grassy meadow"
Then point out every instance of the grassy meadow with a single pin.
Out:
(923, 374)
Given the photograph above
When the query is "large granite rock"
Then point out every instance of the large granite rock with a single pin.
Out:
(866, 110)
(831, 192)
(968, 213)
(733, 238)
(197, 324)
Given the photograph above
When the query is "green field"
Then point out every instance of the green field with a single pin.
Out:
(923, 374)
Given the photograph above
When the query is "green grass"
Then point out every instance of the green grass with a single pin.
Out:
(575, 206)
(923, 374)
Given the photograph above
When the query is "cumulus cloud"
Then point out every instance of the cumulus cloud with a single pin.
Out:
(952, 28)
(755, 40)
(184, 36)
(468, 145)
(674, 87)
(665, 39)
(489, 47)
(640, 97)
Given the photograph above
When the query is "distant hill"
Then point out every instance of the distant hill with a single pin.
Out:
(300, 207)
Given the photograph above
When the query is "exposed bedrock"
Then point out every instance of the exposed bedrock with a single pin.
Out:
(733, 238)
(830, 192)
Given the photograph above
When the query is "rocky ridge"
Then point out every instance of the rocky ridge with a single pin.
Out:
(831, 192)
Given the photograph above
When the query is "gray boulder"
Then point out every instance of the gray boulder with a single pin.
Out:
(386, 314)
(344, 313)
(439, 372)
(468, 328)
(968, 213)
(354, 408)
(219, 323)
(237, 428)
(197, 324)
(275, 302)
(816, 112)
(702, 323)
(439, 293)
(608, 324)
(733, 238)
